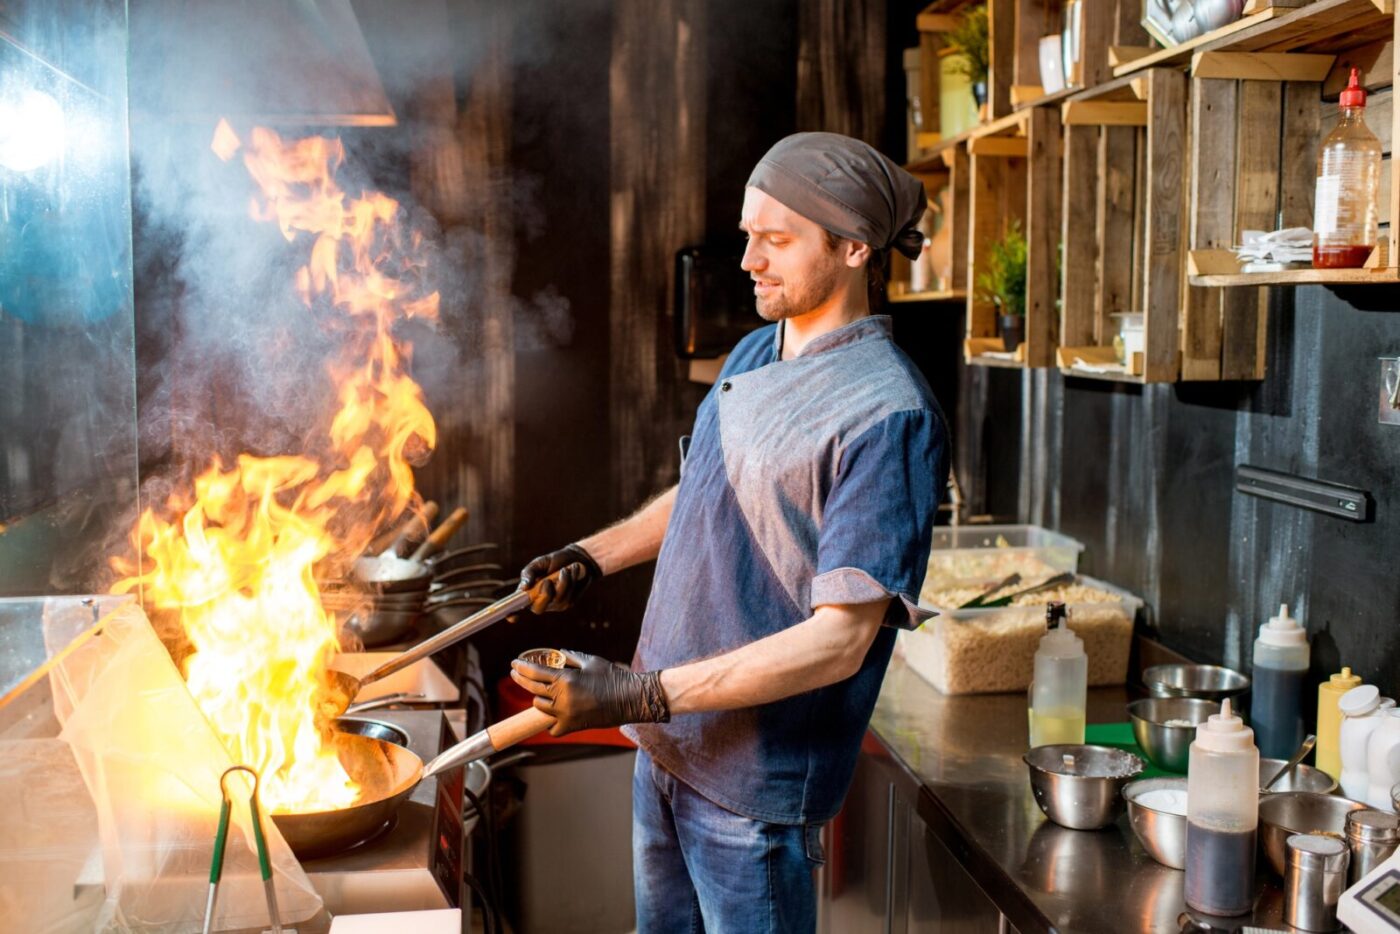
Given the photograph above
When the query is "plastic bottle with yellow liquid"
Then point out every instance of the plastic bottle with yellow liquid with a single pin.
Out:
(1329, 720)
(1060, 689)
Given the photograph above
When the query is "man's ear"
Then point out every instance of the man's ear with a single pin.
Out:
(857, 254)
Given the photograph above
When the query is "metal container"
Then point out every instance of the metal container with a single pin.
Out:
(1284, 814)
(1210, 682)
(1302, 778)
(1168, 745)
(1079, 786)
(1371, 836)
(1161, 833)
(1313, 884)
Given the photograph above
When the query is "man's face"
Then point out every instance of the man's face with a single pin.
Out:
(793, 268)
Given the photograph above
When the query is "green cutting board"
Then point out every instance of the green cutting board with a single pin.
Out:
(1120, 736)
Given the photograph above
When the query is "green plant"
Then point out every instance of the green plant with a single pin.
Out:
(1003, 281)
(971, 39)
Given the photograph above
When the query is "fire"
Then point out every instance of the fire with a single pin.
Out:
(235, 559)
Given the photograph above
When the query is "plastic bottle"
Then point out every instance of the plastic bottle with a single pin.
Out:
(1280, 677)
(1222, 815)
(1061, 684)
(1329, 721)
(1346, 202)
(1383, 760)
(1361, 712)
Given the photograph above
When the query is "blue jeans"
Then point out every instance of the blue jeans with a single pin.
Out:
(698, 867)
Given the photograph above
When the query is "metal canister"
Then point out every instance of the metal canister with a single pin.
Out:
(1371, 836)
(1314, 880)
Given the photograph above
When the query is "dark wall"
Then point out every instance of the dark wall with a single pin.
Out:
(1144, 476)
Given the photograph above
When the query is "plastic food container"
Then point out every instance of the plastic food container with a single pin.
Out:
(982, 554)
(993, 650)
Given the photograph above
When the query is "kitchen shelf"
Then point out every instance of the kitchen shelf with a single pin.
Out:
(1015, 179)
(1123, 222)
(1319, 26)
(949, 295)
(1387, 276)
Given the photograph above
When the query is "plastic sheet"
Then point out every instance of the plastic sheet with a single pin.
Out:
(151, 766)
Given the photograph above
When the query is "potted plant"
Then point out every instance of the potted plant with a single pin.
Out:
(1003, 283)
(971, 39)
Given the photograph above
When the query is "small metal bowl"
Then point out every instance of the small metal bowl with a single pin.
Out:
(1285, 813)
(1161, 833)
(1209, 682)
(1302, 778)
(1079, 786)
(1168, 746)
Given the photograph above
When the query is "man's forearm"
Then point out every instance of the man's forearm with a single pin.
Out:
(635, 539)
(826, 648)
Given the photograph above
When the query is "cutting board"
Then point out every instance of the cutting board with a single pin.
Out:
(1120, 736)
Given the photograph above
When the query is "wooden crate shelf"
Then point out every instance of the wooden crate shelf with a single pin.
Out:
(1123, 228)
(1343, 277)
(1015, 179)
(946, 182)
(1319, 26)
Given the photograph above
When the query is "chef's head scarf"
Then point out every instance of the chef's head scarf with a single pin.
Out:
(847, 187)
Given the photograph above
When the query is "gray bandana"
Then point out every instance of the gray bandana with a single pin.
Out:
(847, 187)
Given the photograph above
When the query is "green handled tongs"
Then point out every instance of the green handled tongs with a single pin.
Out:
(216, 867)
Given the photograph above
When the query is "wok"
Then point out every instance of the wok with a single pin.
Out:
(387, 774)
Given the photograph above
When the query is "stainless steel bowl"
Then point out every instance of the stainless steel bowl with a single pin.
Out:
(1285, 813)
(1161, 833)
(1302, 778)
(1210, 682)
(1168, 747)
(1079, 786)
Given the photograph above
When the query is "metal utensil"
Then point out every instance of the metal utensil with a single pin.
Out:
(1285, 813)
(441, 535)
(1210, 682)
(1165, 726)
(1078, 786)
(1006, 581)
(345, 686)
(1303, 749)
(1058, 580)
(216, 865)
(1302, 778)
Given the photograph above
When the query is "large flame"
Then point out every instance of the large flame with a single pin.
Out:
(235, 560)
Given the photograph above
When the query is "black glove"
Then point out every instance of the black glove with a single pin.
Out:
(595, 694)
(555, 580)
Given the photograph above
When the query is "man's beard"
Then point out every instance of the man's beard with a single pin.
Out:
(806, 295)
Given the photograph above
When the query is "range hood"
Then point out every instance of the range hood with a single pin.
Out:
(273, 62)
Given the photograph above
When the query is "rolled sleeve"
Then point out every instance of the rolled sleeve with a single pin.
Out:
(877, 522)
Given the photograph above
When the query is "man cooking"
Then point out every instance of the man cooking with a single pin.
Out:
(792, 549)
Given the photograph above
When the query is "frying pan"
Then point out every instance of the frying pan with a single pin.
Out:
(387, 774)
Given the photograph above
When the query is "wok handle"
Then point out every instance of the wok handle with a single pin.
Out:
(473, 624)
(493, 739)
(441, 535)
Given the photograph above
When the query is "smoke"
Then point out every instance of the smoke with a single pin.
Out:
(231, 358)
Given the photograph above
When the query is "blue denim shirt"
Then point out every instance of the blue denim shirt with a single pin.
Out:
(807, 481)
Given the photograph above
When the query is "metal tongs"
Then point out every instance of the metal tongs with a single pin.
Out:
(216, 866)
(1056, 581)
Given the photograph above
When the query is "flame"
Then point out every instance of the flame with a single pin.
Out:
(235, 560)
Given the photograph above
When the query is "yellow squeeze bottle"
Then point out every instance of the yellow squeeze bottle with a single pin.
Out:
(1329, 720)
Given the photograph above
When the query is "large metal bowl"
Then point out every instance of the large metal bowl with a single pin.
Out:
(1209, 682)
(1168, 746)
(1283, 814)
(1161, 833)
(1302, 778)
(1079, 786)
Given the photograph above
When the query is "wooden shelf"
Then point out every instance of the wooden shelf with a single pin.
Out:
(1388, 276)
(948, 295)
(1320, 26)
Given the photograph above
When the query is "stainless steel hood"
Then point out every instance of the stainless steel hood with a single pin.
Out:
(273, 62)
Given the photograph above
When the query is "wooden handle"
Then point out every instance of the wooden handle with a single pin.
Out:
(519, 727)
(410, 530)
(442, 534)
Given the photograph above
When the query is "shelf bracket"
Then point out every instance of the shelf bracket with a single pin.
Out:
(1262, 66)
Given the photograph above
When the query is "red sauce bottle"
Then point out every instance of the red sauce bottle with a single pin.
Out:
(1346, 204)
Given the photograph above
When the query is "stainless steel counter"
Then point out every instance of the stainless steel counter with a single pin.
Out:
(959, 760)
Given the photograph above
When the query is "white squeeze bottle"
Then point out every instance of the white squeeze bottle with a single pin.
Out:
(1222, 815)
(1061, 684)
(1361, 714)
